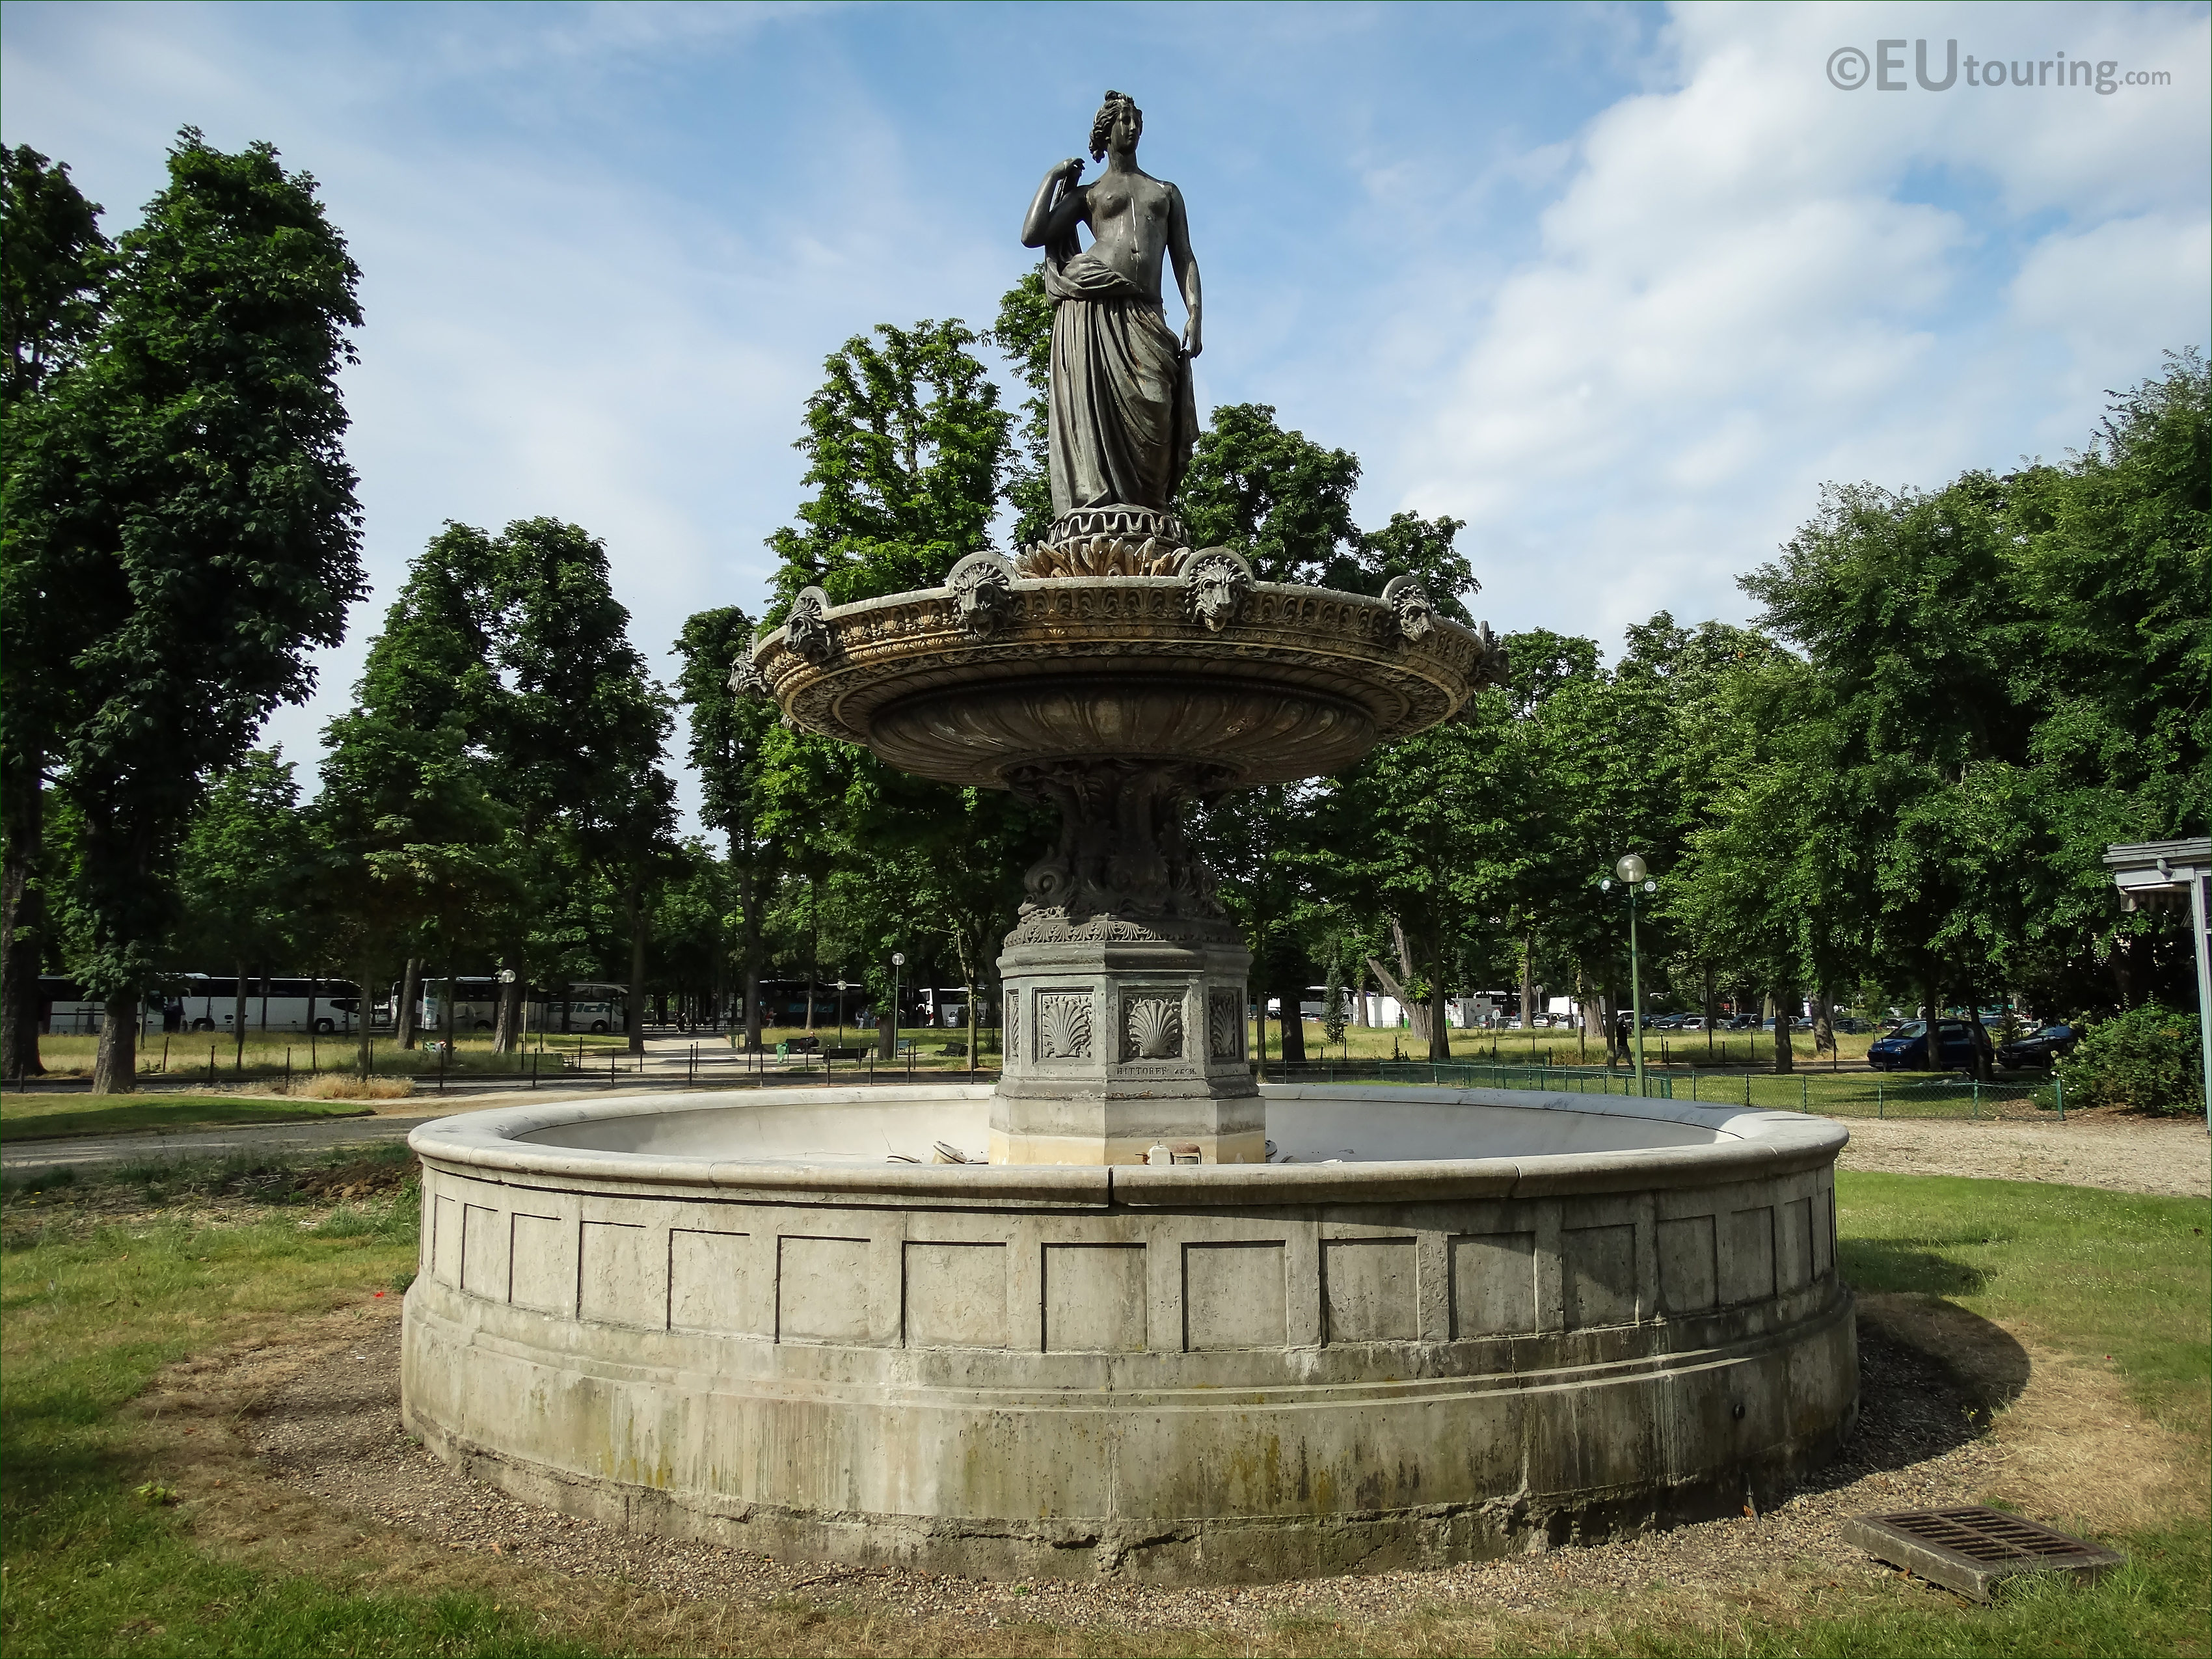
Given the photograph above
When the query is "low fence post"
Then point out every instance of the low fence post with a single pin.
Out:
(2059, 1084)
(1877, 1097)
(1974, 1110)
(1803, 1096)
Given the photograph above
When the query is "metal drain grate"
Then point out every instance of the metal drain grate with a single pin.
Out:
(1969, 1549)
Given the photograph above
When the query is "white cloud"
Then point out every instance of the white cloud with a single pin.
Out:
(1752, 283)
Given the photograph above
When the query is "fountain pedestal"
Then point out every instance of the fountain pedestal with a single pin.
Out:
(1124, 983)
(1114, 1048)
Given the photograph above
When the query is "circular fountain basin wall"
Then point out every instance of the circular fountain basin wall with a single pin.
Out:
(1462, 1323)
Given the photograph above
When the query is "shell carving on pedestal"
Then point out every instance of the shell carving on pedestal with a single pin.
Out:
(1152, 1028)
(1063, 1025)
(1225, 1025)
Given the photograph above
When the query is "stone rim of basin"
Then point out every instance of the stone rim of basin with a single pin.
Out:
(1758, 1143)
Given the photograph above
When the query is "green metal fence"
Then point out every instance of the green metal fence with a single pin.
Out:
(1849, 1094)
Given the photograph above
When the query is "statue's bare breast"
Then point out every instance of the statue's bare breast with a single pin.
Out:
(1128, 218)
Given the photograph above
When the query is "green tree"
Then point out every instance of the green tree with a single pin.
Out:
(406, 843)
(905, 443)
(246, 870)
(187, 503)
(53, 264)
(727, 735)
(584, 726)
(1279, 499)
(1024, 333)
(1409, 545)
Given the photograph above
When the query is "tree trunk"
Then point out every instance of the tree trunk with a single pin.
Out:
(1930, 1047)
(507, 1025)
(1259, 1029)
(1529, 983)
(1981, 1032)
(1293, 1020)
(115, 1063)
(1439, 1020)
(1712, 1011)
(1416, 1014)
(22, 927)
(1824, 1025)
(634, 1012)
(1609, 1014)
(448, 1016)
(238, 1020)
(1785, 1008)
(749, 894)
(1359, 999)
(403, 1021)
(364, 1041)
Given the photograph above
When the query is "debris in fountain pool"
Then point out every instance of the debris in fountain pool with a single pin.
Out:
(900, 1158)
(944, 1151)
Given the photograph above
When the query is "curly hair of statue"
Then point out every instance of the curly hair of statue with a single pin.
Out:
(1102, 125)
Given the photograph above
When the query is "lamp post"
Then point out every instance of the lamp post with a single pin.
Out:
(1631, 872)
(898, 961)
(841, 988)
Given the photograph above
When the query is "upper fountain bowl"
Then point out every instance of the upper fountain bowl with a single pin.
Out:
(1256, 682)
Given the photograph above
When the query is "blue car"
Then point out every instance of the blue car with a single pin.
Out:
(1959, 1048)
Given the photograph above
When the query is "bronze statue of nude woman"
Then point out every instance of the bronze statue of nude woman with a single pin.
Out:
(1122, 416)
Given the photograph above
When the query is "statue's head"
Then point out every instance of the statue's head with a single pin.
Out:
(1119, 125)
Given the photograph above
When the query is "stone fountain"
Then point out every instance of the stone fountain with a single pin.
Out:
(1442, 1323)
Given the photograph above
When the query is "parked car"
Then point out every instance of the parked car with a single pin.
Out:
(1850, 1025)
(2037, 1049)
(1693, 1023)
(1958, 1047)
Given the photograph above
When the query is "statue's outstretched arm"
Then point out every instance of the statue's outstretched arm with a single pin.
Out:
(1057, 208)
(1186, 271)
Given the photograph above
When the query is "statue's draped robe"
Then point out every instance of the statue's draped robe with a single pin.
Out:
(1123, 417)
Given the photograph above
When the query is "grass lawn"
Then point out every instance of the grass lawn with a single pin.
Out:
(35, 1117)
(110, 1547)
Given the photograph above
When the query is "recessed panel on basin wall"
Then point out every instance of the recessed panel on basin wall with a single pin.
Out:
(621, 1278)
(955, 1295)
(1824, 1233)
(1234, 1296)
(1793, 1244)
(445, 1240)
(1371, 1288)
(1747, 1255)
(1094, 1298)
(1600, 1275)
(706, 1281)
(543, 1275)
(1688, 1272)
(822, 1289)
(1494, 1284)
(484, 1252)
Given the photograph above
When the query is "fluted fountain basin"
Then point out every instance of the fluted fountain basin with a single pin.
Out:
(1299, 682)
(1463, 1322)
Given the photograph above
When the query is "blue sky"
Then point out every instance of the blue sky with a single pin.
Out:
(1622, 286)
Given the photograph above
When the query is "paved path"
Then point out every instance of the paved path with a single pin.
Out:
(33, 1156)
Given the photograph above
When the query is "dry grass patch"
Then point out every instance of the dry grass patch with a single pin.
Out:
(346, 1085)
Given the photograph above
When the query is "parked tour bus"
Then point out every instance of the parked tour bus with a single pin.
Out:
(331, 1007)
(203, 1002)
(589, 1006)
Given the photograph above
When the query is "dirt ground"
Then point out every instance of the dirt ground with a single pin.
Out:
(2123, 1153)
(296, 1449)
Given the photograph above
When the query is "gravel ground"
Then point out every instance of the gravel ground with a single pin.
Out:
(333, 1432)
(2119, 1152)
